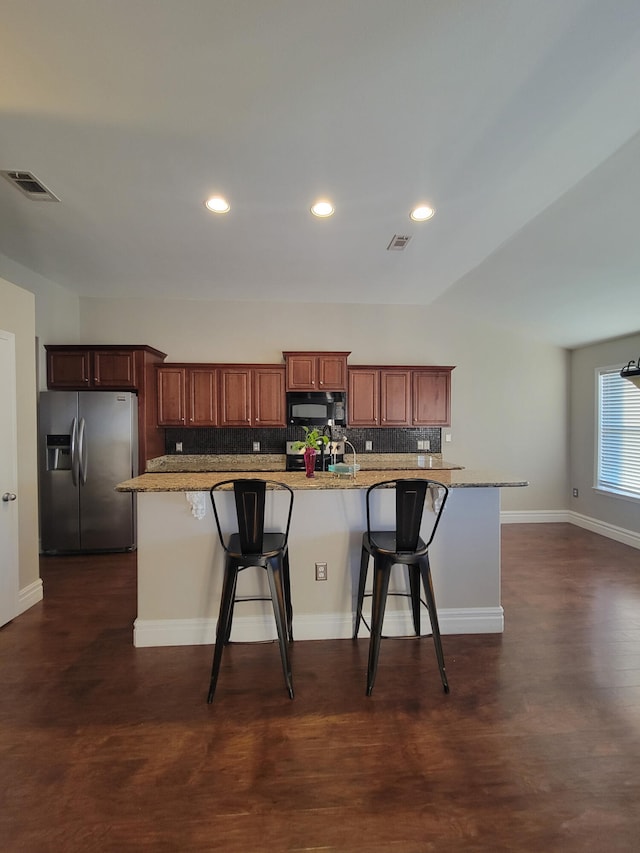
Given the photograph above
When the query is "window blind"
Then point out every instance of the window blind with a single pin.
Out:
(619, 435)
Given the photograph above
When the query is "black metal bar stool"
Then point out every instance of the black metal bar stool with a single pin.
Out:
(405, 546)
(252, 546)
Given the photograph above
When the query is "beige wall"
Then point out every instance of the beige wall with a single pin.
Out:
(17, 315)
(620, 512)
(509, 392)
(57, 313)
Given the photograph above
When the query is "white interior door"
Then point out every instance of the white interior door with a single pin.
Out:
(8, 480)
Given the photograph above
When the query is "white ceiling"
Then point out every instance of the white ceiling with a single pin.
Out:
(519, 120)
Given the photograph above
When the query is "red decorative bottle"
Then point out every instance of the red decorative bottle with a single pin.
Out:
(310, 461)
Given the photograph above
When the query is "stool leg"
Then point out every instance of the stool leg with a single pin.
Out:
(382, 573)
(425, 571)
(362, 580)
(229, 620)
(274, 573)
(224, 624)
(414, 587)
(286, 577)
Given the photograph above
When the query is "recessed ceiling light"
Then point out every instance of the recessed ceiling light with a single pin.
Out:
(422, 212)
(217, 204)
(322, 208)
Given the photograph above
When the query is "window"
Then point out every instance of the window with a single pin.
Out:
(618, 460)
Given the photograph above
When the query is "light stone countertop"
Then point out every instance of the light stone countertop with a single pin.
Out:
(201, 481)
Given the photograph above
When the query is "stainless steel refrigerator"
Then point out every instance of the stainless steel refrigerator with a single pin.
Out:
(88, 444)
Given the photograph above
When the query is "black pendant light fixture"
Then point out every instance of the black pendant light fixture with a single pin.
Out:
(631, 371)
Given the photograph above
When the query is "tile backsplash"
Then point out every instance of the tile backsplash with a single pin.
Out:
(241, 440)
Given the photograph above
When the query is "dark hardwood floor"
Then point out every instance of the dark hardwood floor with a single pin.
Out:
(104, 747)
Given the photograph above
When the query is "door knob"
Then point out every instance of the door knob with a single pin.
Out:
(8, 496)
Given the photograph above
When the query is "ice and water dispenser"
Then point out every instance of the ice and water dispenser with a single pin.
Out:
(58, 452)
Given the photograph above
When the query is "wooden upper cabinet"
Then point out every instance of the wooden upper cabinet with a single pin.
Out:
(202, 397)
(67, 368)
(399, 396)
(431, 397)
(363, 397)
(225, 395)
(187, 396)
(269, 397)
(332, 371)
(91, 368)
(301, 372)
(113, 369)
(172, 384)
(108, 367)
(395, 398)
(316, 371)
(235, 396)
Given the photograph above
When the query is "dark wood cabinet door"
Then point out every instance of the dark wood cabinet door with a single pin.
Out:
(235, 397)
(332, 373)
(432, 397)
(316, 371)
(364, 397)
(269, 397)
(69, 369)
(202, 384)
(395, 398)
(301, 372)
(113, 369)
(171, 396)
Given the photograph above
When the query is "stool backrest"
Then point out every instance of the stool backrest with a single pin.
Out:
(250, 502)
(410, 495)
(249, 497)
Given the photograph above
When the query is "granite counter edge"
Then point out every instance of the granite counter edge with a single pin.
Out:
(200, 482)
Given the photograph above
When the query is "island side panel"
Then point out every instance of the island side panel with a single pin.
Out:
(180, 565)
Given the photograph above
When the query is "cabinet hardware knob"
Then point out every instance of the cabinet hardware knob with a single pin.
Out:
(8, 496)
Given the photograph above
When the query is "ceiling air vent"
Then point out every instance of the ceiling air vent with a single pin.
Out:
(398, 242)
(29, 185)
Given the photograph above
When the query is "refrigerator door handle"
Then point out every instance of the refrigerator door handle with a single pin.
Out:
(82, 452)
(75, 461)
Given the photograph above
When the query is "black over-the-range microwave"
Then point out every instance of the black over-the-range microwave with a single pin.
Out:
(317, 408)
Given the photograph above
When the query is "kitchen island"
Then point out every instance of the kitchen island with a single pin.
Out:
(180, 560)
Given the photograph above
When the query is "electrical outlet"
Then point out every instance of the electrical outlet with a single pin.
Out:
(256, 446)
(424, 444)
(575, 493)
(368, 445)
(321, 571)
(178, 447)
(447, 436)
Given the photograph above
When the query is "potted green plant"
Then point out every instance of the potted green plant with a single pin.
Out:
(312, 438)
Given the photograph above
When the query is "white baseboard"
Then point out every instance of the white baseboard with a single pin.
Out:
(322, 626)
(535, 516)
(29, 595)
(611, 531)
